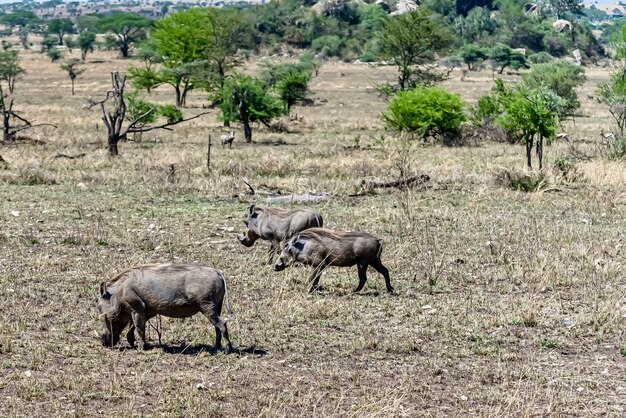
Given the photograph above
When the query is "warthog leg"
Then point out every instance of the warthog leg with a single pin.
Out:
(130, 336)
(139, 320)
(271, 253)
(314, 279)
(362, 269)
(378, 265)
(211, 311)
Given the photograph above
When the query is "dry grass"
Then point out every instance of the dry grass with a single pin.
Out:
(508, 303)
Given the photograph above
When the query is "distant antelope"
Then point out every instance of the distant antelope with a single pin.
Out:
(607, 136)
(227, 139)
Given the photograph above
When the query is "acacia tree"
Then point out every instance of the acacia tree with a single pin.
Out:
(248, 100)
(117, 118)
(85, 42)
(613, 94)
(127, 27)
(410, 41)
(181, 39)
(228, 34)
(73, 70)
(60, 27)
(10, 68)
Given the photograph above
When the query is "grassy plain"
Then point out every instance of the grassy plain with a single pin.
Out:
(506, 304)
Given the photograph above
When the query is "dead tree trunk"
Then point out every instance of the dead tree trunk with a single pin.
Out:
(115, 120)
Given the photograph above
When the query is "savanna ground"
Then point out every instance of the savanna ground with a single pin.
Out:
(507, 303)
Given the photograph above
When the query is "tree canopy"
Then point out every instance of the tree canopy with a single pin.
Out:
(127, 27)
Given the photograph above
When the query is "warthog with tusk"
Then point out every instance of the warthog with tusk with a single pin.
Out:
(276, 225)
(320, 248)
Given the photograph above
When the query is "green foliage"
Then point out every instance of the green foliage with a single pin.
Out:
(86, 41)
(247, 100)
(425, 111)
(293, 88)
(477, 26)
(564, 9)
(613, 95)
(48, 43)
(60, 27)
(328, 45)
(10, 68)
(411, 41)
(127, 27)
(110, 42)
(505, 57)
(371, 16)
(183, 36)
(171, 113)
(88, 22)
(529, 112)
(473, 55)
(561, 79)
(139, 110)
(54, 54)
(21, 18)
(540, 58)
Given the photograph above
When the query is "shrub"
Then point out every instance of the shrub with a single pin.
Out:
(329, 45)
(540, 58)
(560, 78)
(368, 56)
(425, 112)
(54, 54)
(556, 47)
(521, 181)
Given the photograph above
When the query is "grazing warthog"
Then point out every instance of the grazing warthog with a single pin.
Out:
(276, 225)
(227, 139)
(320, 248)
(175, 290)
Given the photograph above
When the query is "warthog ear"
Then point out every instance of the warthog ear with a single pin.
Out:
(251, 209)
(103, 290)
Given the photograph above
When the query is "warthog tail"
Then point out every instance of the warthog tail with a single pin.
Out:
(319, 220)
(380, 249)
(228, 310)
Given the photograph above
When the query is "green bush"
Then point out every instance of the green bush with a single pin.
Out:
(425, 111)
(329, 45)
(540, 58)
(54, 54)
(560, 78)
(368, 56)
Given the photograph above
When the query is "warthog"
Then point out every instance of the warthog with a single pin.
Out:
(322, 247)
(227, 139)
(175, 290)
(276, 225)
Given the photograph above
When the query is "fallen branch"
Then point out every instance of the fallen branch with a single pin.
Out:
(423, 178)
(70, 157)
(258, 191)
(299, 198)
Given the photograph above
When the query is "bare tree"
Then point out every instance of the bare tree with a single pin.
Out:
(12, 123)
(115, 118)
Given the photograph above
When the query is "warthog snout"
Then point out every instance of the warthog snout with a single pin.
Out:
(245, 239)
(280, 265)
(107, 340)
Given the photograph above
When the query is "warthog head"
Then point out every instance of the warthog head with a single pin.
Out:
(112, 322)
(290, 250)
(249, 236)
